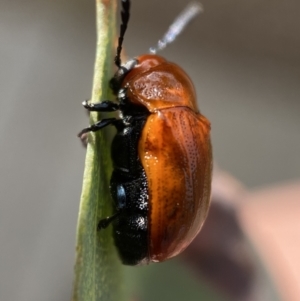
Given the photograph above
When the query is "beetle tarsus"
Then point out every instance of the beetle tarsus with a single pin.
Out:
(104, 223)
(103, 106)
(98, 126)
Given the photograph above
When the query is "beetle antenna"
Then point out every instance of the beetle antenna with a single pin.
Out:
(189, 13)
(125, 15)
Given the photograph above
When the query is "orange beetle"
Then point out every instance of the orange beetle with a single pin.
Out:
(162, 157)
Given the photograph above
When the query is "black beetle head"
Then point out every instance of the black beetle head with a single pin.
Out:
(116, 82)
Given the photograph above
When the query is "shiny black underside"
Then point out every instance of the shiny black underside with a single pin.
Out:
(129, 191)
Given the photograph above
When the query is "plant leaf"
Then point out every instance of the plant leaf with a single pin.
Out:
(97, 267)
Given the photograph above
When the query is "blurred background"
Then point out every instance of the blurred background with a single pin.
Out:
(244, 59)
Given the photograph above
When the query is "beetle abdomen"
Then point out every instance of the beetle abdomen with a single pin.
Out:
(129, 190)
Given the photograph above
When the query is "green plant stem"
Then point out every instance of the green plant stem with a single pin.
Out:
(97, 267)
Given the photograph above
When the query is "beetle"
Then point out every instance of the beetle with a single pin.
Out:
(161, 154)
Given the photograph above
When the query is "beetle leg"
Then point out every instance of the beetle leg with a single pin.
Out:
(104, 106)
(99, 125)
(104, 223)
